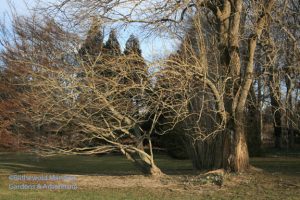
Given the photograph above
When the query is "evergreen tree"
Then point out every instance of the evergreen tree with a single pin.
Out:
(133, 46)
(112, 46)
(133, 55)
(93, 44)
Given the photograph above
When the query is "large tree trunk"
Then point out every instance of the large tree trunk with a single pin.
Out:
(228, 150)
(210, 154)
(239, 160)
(232, 143)
(143, 161)
(146, 163)
(148, 168)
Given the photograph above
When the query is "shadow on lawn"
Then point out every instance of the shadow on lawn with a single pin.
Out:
(282, 162)
(116, 165)
(85, 165)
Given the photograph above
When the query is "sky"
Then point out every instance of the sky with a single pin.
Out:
(152, 48)
(20, 6)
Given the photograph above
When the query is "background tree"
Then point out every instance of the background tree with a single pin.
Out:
(10, 109)
(132, 46)
(18, 45)
(93, 43)
(89, 114)
(277, 62)
(112, 46)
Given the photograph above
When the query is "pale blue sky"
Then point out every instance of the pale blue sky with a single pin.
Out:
(20, 6)
(151, 47)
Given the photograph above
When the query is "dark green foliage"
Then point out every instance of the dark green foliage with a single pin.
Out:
(94, 41)
(133, 46)
(134, 58)
(174, 142)
(112, 46)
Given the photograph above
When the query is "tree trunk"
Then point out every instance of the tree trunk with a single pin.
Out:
(291, 138)
(253, 125)
(211, 153)
(148, 167)
(143, 161)
(155, 171)
(275, 93)
(239, 159)
(232, 143)
(289, 113)
(227, 150)
(277, 116)
(151, 170)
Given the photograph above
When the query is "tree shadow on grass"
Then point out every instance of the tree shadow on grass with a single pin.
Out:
(278, 164)
(112, 165)
(117, 165)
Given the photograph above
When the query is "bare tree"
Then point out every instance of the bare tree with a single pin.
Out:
(280, 52)
(84, 106)
(203, 88)
(225, 19)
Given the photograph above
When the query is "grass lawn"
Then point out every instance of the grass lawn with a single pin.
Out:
(113, 177)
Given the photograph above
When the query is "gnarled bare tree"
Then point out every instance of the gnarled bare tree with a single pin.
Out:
(236, 72)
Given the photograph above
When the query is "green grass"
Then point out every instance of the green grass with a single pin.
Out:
(75, 164)
(272, 152)
(280, 179)
(279, 164)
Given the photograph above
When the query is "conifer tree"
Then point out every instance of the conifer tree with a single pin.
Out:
(133, 46)
(136, 61)
(93, 44)
(112, 45)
